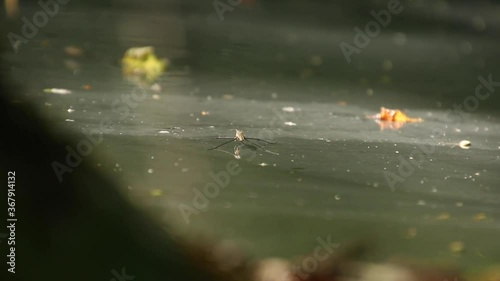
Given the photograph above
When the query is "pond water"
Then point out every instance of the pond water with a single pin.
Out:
(277, 72)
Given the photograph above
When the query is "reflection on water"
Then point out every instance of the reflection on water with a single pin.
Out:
(336, 173)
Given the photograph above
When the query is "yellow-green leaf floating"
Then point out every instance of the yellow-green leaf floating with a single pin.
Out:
(140, 65)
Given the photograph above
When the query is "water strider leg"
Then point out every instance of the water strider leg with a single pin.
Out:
(259, 146)
(224, 143)
(269, 142)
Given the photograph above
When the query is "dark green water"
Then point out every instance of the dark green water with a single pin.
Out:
(330, 177)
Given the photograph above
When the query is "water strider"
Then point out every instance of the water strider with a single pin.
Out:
(240, 137)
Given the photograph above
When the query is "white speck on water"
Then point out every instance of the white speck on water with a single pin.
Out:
(57, 91)
(421, 203)
(397, 152)
(337, 197)
(290, 124)
(289, 109)
(164, 132)
(185, 170)
(150, 171)
(69, 120)
(465, 144)
(263, 164)
(152, 157)
(71, 110)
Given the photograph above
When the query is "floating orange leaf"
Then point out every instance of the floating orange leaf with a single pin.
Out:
(393, 119)
(395, 115)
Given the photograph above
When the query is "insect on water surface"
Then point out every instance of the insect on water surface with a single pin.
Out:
(240, 137)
